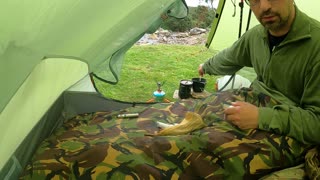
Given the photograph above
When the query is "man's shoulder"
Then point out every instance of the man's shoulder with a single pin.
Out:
(314, 26)
(315, 30)
(314, 23)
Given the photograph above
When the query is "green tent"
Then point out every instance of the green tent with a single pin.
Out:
(47, 50)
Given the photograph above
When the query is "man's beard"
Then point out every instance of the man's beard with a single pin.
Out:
(276, 25)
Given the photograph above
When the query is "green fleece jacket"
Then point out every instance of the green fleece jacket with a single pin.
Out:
(289, 74)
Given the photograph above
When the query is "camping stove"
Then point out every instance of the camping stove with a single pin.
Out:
(159, 93)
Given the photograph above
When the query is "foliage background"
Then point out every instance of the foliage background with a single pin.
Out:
(200, 16)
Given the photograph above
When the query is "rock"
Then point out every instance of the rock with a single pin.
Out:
(162, 32)
(196, 31)
(161, 36)
(180, 35)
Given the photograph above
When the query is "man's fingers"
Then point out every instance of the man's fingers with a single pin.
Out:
(230, 115)
(230, 110)
(232, 119)
(200, 70)
(236, 103)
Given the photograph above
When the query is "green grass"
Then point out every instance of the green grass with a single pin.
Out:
(145, 65)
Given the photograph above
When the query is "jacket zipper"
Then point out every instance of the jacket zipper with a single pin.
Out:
(266, 80)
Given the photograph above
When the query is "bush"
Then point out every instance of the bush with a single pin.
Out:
(200, 16)
(178, 25)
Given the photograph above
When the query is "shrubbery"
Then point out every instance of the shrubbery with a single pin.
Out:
(200, 16)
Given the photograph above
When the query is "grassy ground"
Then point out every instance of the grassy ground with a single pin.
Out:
(147, 64)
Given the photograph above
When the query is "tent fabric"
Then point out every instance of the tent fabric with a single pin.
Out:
(33, 98)
(46, 46)
(88, 30)
(50, 121)
(84, 85)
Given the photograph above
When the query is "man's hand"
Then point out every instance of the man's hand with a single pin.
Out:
(242, 114)
(200, 70)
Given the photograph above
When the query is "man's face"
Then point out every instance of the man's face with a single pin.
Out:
(275, 15)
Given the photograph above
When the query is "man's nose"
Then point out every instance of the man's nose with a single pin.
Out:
(265, 5)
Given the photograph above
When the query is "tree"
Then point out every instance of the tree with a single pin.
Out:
(200, 16)
(177, 25)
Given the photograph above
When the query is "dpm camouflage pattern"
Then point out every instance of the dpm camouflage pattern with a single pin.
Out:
(312, 163)
(101, 146)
